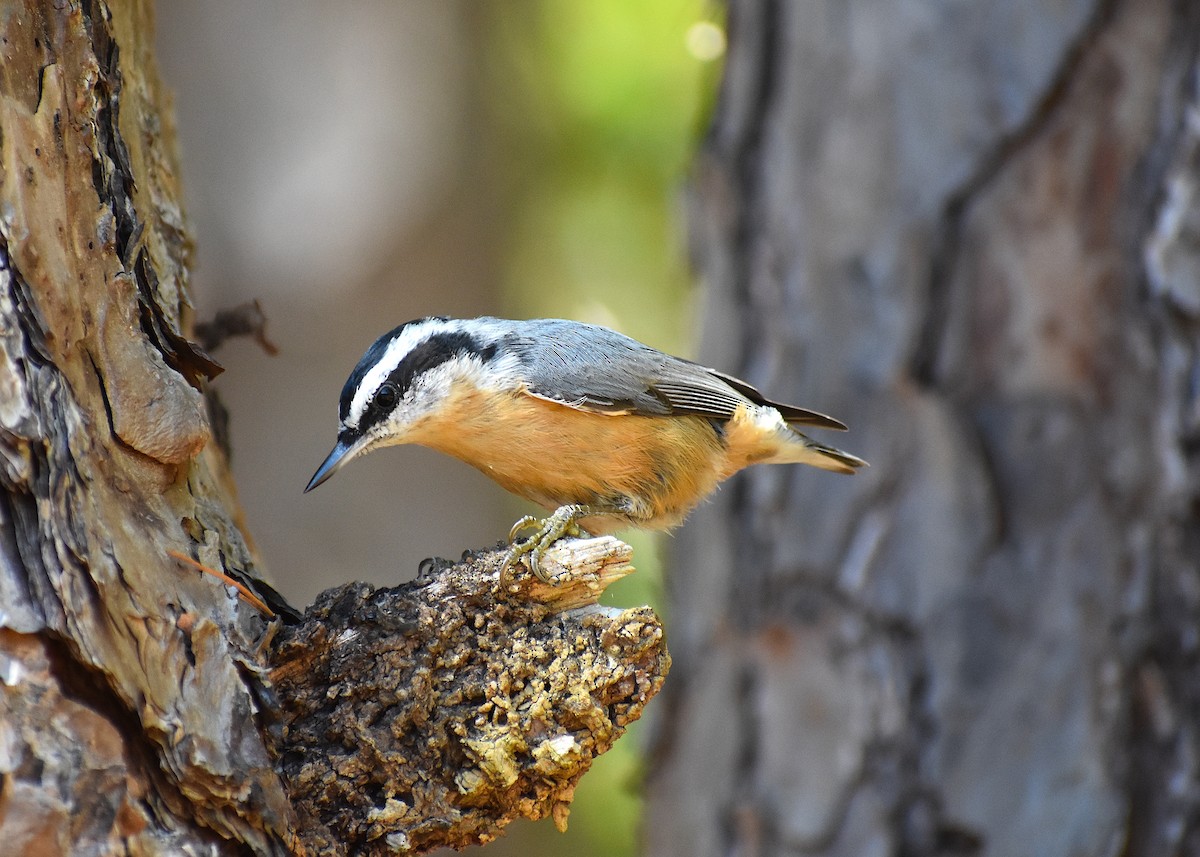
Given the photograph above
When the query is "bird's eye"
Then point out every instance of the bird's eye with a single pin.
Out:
(386, 396)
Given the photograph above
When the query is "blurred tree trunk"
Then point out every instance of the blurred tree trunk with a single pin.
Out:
(127, 720)
(972, 231)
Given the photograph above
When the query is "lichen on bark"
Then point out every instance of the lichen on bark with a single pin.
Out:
(437, 712)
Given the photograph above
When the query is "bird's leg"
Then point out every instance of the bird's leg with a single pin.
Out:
(564, 522)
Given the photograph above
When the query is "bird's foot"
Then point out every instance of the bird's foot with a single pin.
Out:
(564, 522)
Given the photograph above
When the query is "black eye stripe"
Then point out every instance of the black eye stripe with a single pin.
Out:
(373, 356)
(380, 405)
(426, 355)
(431, 353)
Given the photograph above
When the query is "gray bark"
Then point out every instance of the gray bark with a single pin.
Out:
(970, 231)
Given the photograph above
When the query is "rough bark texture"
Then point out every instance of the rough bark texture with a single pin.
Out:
(971, 231)
(126, 706)
(135, 699)
(435, 713)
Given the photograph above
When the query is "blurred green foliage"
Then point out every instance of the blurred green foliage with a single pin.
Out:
(599, 104)
(598, 107)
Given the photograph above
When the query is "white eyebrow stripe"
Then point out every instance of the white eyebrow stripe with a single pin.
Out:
(397, 349)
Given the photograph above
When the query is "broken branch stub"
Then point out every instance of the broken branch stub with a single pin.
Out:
(434, 713)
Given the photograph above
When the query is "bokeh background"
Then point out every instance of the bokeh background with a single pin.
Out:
(353, 166)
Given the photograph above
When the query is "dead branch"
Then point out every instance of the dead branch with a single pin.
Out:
(434, 713)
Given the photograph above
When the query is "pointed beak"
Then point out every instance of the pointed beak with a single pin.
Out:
(334, 462)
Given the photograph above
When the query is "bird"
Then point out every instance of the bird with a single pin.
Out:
(599, 429)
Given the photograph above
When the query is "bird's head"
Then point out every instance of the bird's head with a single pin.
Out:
(406, 377)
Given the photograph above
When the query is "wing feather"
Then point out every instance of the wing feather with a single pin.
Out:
(595, 369)
(791, 413)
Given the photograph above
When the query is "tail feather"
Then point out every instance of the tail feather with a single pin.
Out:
(805, 450)
(761, 435)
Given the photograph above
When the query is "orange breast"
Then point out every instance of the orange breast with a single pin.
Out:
(553, 454)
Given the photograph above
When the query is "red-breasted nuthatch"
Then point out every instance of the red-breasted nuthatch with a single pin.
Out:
(577, 418)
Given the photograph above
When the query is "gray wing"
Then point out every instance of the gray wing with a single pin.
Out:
(596, 369)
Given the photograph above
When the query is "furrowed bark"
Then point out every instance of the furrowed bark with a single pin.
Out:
(969, 230)
(138, 710)
(107, 464)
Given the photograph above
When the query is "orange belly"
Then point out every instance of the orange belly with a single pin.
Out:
(658, 468)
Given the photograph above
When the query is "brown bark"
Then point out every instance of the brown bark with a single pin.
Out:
(970, 231)
(138, 712)
(466, 711)
(107, 465)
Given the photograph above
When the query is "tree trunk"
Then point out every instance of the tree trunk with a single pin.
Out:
(970, 231)
(144, 708)
(126, 710)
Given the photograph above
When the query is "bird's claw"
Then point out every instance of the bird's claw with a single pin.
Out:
(527, 522)
(564, 522)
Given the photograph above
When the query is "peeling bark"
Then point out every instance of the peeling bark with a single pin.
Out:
(137, 710)
(106, 462)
